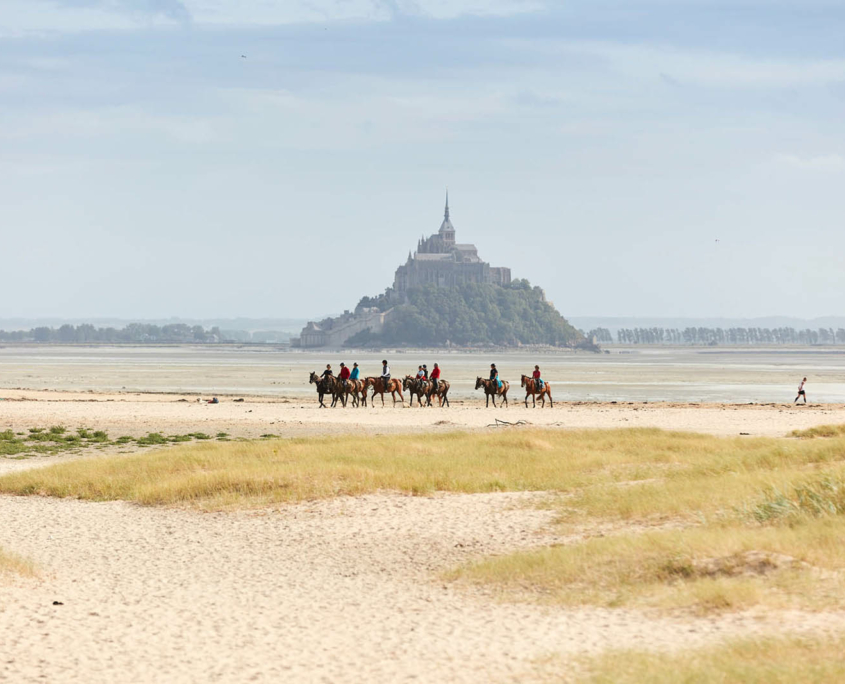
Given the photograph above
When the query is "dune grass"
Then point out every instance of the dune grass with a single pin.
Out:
(13, 564)
(649, 473)
(764, 661)
(751, 521)
(700, 569)
(819, 431)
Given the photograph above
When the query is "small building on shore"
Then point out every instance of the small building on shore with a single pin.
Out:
(334, 332)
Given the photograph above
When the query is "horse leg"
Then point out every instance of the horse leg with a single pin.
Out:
(551, 403)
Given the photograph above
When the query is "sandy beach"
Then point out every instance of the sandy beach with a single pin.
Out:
(137, 414)
(341, 590)
(335, 591)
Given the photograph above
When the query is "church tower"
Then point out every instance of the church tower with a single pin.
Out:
(447, 230)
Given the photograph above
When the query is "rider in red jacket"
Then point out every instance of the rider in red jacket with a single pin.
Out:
(435, 375)
(344, 373)
(537, 379)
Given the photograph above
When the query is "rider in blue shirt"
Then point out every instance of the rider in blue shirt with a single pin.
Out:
(494, 374)
(355, 372)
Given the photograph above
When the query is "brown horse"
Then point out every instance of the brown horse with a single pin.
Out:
(325, 385)
(393, 386)
(351, 389)
(531, 390)
(419, 387)
(491, 389)
(441, 392)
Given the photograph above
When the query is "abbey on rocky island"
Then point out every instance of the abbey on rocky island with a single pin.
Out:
(441, 261)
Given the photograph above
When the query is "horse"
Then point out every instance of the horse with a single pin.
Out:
(441, 392)
(325, 385)
(418, 386)
(491, 389)
(531, 390)
(351, 388)
(393, 386)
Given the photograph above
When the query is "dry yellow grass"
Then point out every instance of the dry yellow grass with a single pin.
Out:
(703, 569)
(768, 661)
(820, 431)
(736, 504)
(13, 564)
(678, 474)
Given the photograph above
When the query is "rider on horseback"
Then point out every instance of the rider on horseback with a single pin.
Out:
(328, 372)
(425, 372)
(420, 373)
(538, 381)
(344, 374)
(494, 375)
(435, 376)
(355, 372)
(385, 375)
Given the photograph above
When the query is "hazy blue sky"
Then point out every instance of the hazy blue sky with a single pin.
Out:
(598, 147)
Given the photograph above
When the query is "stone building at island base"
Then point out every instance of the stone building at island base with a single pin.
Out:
(334, 332)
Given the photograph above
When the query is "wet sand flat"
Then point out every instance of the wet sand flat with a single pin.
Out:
(139, 414)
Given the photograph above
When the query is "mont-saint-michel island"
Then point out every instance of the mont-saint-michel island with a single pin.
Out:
(445, 294)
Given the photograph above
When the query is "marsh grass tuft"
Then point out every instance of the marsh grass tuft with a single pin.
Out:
(13, 564)
(766, 661)
(819, 431)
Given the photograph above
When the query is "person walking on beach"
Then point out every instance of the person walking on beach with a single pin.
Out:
(801, 392)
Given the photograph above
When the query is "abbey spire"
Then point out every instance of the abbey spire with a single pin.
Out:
(447, 230)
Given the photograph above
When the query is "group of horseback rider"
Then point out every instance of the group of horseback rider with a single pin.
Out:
(348, 381)
(424, 384)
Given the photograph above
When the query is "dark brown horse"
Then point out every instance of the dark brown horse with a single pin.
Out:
(441, 392)
(325, 385)
(531, 390)
(393, 386)
(419, 387)
(491, 389)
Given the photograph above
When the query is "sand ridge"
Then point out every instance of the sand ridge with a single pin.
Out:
(340, 590)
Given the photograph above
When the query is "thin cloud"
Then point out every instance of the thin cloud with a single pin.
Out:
(825, 162)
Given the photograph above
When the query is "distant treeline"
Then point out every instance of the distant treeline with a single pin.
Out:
(133, 333)
(719, 336)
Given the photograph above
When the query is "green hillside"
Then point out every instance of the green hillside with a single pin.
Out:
(471, 315)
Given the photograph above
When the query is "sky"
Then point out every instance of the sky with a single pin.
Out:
(216, 158)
